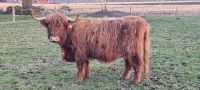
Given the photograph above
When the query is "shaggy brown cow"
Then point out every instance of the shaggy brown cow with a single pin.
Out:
(104, 39)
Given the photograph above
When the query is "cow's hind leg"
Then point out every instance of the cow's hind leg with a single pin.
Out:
(138, 67)
(127, 70)
(87, 69)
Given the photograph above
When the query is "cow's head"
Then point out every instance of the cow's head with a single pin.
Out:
(57, 26)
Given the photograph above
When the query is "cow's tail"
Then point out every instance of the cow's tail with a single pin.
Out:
(146, 51)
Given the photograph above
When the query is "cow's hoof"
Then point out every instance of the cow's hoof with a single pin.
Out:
(122, 78)
(87, 76)
(78, 82)
(135, 82)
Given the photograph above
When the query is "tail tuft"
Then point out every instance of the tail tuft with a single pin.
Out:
(146, 52)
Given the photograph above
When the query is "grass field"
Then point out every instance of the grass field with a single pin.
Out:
(29, 62)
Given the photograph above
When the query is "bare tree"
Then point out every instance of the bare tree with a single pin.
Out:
(102, 4)
(105, 9)
(123, 1)
(2, 0)
(27, 4)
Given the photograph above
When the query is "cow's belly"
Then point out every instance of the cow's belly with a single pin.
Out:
(106, 58)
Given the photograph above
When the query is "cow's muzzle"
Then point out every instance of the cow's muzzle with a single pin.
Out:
(54, 39)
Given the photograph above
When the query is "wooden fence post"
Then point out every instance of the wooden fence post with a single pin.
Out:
(13, 13)
(176, 11)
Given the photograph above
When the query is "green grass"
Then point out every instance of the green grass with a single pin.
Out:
(29, 61)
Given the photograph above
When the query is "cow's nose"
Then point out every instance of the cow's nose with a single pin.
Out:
(54, 39)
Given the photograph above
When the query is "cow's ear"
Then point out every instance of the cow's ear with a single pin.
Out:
(43, 22)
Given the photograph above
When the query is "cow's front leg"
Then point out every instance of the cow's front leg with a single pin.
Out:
(127, 70)
(87, 69)
(62, 51)
(80, 66)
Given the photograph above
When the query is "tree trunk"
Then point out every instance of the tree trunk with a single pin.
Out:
(76, 1)
(27, 5)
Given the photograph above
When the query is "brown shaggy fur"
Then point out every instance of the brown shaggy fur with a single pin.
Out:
(104, 39)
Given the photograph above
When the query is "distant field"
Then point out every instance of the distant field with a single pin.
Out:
(29, 62)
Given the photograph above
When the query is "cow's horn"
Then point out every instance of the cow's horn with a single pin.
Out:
(75, 19)
(35, 17)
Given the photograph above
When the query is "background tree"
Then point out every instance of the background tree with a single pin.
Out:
(2, 0)
(27, 5)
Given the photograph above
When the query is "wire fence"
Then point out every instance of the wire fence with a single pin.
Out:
(128, 8)
(144, 10)
(138, 10)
